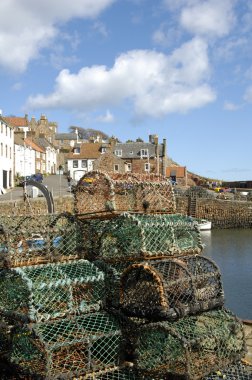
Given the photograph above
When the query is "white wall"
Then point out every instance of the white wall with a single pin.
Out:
(6, 156)
(51, 160)
(24, 160)
(77, 173)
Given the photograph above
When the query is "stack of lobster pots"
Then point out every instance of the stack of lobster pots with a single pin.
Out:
(167, 295)
(53, 325)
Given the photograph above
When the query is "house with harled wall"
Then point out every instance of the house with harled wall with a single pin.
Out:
(6, 155)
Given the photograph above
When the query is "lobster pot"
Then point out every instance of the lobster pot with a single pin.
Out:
(171, 288)
(190, 348)
(43, 292)
(233, 372)
(98, 192)
(5, 329)
(35, 239)
(138, 236)
(117, 373)
(67, 347)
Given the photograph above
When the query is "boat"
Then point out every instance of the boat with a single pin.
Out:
(204, 224)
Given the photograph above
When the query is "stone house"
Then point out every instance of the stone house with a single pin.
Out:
(142, 157)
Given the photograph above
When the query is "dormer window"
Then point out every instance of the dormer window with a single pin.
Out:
(131, 152)
(118, 153)
(144, 153)
(76, 150)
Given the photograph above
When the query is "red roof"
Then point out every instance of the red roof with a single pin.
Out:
(87, 150)
(17, 121)
(33, 145)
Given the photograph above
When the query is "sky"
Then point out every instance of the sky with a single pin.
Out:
(181, 69)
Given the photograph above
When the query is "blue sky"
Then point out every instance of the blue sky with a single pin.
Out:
(181, 69)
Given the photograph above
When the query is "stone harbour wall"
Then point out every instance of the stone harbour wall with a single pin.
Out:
(36, 206)
(222, 213)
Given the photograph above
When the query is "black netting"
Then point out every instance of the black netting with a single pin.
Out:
(171, 288)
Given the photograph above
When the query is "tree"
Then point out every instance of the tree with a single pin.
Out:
(139, 139)
(86, 133)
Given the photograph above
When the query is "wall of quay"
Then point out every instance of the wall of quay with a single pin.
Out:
(222, 213)
(36, 206)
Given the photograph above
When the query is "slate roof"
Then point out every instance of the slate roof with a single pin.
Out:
(133, 150)
(65, 136)
(43, 142)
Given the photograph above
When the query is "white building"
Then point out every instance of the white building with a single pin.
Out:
(6, 155)
(81, 159)
(24, 158)
(50, 155)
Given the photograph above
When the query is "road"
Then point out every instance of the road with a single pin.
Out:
(57, 184)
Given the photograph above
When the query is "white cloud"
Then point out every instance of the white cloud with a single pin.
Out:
(27, 26)
(166, 35)
(212, 17)
(248, 95)
(107, 118)
(17, 86)
(100, 28)
(155, 83)
(228, 106)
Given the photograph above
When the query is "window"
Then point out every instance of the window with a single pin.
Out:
(131, 152)
(147, 167)
(37, 154)
(118, 153)
(103, 149)
(10, 152)
(144, 152)
(84, 163)
(116, 168)
(77, 150)
(75, 163)
(6, 151)
(1, 149)
(128, 167)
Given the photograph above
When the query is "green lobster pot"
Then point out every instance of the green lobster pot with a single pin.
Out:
(190, 348)
(67, 347)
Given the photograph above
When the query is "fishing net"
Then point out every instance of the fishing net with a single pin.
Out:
(141, 236)
(67, 347)
(233, 372)
(28, 240)
(43, 292)
(191, 347)
(98, 192)
(171, 288)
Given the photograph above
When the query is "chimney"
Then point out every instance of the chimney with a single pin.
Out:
(164, 157)
(153, 139)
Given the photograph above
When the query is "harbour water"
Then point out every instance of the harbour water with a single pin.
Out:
(231, 250)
